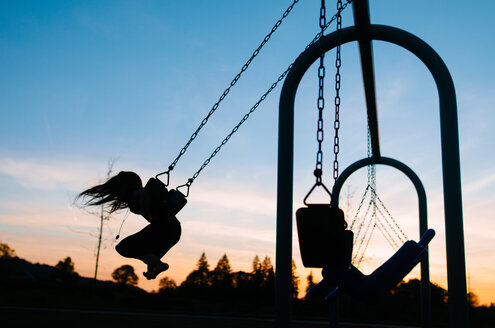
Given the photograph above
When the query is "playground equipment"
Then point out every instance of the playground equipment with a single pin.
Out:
(364, 32)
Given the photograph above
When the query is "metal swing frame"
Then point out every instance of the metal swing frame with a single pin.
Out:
(364, 32)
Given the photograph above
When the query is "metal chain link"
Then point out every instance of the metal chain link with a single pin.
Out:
(390, 216)
(356, 216)
(386, 235)
(336, 123)
(392, 240)
(334, 17)
(371, 168)
(232, 83)
(366, 245)
(234, 130)
(374, 195)
(375, 203)
(362, 224)
(262, 98)
(320, 102)
(366, 236)
(391, 227)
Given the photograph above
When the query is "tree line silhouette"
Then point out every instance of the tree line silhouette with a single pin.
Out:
(220, 283)
(206, 290)
(258, 283)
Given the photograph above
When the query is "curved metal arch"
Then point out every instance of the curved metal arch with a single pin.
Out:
(456, 271)
(420, 190)
(423, 218)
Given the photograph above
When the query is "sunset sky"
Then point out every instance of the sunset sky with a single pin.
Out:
(83, 83)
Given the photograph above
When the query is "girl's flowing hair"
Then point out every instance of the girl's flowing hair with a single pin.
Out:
(116, 192)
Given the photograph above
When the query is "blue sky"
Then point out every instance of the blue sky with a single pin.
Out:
(84, 82)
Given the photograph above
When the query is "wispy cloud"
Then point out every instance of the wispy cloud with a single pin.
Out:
(45, 174)
(487, 180)
(233, 198)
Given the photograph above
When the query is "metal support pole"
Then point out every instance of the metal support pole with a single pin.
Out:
(283, 258)
(362, 22)
(451, 170)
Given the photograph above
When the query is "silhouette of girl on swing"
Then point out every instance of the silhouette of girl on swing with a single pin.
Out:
(125, 190)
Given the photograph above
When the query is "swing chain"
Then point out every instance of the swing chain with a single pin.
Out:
(334, 17)
(323, 16)
(253, 108)
(337, 95)
(227, 90)
(321, 102)
(234, 130)
(371, 168)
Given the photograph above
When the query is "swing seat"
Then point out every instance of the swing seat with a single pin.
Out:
(370, 288)
(173, 199)
(323, 240)
(176, 201)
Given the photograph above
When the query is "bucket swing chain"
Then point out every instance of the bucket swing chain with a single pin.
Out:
(320, 103)
(334, 17)
(225, 93)
(338, 62)
(324, 240)
(318, 172)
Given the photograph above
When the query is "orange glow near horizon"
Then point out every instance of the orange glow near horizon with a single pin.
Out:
(49, 247)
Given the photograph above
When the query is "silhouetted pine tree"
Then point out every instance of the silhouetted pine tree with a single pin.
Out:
(268, 274)
(222, 277)
(256, 274)
(200, 278)
(294, 281)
